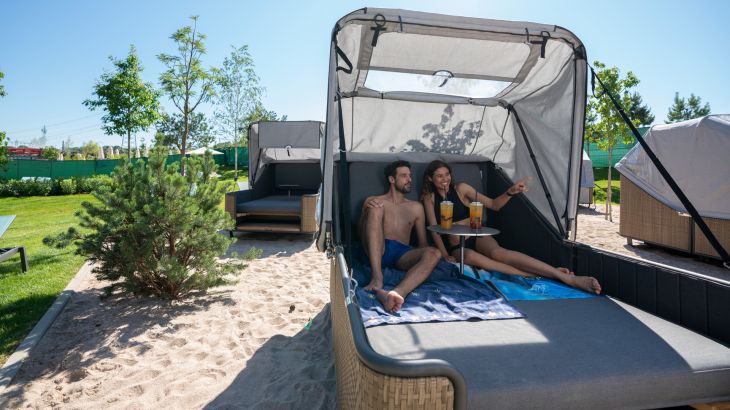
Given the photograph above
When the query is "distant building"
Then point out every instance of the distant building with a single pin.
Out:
(25, 153)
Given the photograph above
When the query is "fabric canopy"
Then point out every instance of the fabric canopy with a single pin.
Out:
(421, 82)
(695, 153)
(202, 151)
(586, 175)
(283, 141)
(586, 180)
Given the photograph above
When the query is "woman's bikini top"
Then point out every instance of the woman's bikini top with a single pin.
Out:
(461, 211)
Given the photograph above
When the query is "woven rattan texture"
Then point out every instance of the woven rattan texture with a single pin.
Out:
(359, 387)
(646, 219)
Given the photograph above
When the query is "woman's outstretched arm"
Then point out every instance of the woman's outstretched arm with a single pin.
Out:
(497, 203)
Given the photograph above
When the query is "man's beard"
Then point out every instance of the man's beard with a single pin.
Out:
(403, 189)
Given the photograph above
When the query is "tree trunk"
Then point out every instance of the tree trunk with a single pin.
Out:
(235, 161)
(609, 215)
(184, 142)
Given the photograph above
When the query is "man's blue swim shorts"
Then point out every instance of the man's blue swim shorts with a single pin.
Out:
(394, 250)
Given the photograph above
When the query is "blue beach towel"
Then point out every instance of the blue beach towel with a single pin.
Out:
(520, 288)
(444, 297)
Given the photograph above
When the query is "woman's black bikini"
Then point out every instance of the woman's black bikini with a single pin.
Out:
(461, 212)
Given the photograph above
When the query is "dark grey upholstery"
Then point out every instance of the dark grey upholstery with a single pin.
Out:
(276, 204)
(297, 176)
(279, 189)
(571, 353)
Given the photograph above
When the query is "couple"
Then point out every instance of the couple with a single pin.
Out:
(387, 221)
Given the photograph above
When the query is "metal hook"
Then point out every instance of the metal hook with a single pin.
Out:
(379, 26)
(449, 75)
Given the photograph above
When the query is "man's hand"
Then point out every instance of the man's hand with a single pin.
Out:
(373, 203)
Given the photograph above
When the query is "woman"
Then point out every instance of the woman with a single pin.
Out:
(484, 252)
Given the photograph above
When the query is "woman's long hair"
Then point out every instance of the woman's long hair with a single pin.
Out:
(427, 187)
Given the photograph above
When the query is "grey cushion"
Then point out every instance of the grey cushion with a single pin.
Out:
(570, 353)
(271, 205)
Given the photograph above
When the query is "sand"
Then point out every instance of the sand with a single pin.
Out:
(239, 346)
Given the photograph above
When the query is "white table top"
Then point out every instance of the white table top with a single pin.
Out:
(464, 230)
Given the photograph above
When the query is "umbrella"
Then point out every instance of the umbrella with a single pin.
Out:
(146, 152)
(60, 156)
(109, 152)
(136, 153)
(101, 153)
(202, 150)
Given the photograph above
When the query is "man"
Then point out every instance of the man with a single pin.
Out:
(385, 228)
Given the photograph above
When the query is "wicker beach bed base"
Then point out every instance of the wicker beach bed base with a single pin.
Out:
(646, 219)
(359, 387)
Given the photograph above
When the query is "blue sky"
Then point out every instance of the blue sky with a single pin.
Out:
(53, 52)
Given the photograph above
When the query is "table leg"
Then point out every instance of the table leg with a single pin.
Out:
(461, 261)
(23, 259)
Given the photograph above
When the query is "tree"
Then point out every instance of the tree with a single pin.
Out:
(131, 105)
(3, 141)
(639, 111)
(90, 149)
(170, 131)
(683, 110)
(605, 126)
(155, 231)
(50, 153)
(38, 142)
(66, 146)
(186, 82)
(238, 96)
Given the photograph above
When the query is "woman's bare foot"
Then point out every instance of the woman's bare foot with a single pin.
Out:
(586, 283)
(566, 271)
(391, 300)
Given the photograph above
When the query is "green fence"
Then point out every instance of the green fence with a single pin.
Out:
(67, 169)
(229, 155)
(600, 158)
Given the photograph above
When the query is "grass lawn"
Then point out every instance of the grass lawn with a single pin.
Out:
(600, 176)
(226, 174)
(25, 297)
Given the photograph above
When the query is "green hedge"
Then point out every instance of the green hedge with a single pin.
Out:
(24, 168)
(48, 187)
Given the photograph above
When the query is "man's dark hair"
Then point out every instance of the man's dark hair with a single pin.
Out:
(390, 170)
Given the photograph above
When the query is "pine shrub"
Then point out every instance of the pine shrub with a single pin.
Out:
(155, 231)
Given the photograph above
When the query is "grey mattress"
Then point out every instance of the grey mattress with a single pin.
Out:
(570, 353)
(276, 204)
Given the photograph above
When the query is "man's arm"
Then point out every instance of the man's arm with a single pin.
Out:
(420, 224)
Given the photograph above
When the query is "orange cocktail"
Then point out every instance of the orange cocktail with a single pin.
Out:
(476, 210)
(447, 214)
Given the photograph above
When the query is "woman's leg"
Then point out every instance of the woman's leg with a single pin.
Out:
(475, 258)
(489, 247)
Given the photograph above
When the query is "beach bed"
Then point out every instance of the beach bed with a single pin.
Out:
(285, 175)
(658, 337)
